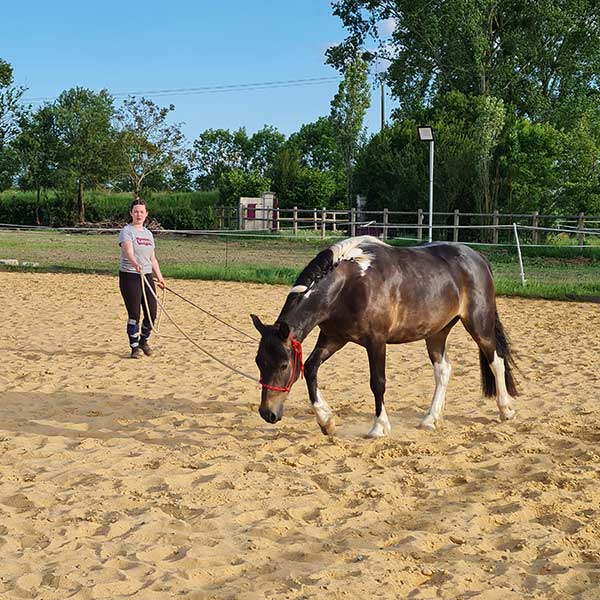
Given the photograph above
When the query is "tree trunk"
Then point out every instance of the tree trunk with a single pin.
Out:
(80, 206)
(37, 206)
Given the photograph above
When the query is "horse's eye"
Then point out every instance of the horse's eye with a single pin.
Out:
(283, 366)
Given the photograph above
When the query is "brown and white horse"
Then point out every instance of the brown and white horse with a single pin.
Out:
(364, 291)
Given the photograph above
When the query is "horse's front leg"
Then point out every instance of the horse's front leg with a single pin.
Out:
(381, 424)
(325, 348)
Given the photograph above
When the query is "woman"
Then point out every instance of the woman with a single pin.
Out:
(137, 256)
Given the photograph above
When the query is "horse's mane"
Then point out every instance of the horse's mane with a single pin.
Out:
(354, 249)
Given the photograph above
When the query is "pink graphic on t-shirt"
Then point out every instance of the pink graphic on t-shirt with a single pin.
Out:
(143, 241)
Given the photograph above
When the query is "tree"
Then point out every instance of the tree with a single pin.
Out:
(317, 145)
(348, 109)
(10, 112)
(262, 149)
(149, 143)
(236, 183)
(88, 141)
(216, 151)
(532, 55)
(38, 150)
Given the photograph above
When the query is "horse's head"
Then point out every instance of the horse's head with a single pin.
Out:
(279, 359)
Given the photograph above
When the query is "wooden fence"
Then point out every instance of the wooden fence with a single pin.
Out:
(494, 228)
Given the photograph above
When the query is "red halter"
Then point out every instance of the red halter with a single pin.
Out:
(297, 348)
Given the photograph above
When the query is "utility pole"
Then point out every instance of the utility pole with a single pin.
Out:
(382, 106)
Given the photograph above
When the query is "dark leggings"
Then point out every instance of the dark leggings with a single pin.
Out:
(130, 285)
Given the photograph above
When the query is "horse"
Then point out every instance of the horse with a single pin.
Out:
(365, 291)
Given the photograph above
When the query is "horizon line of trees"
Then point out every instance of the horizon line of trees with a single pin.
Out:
(513, 96)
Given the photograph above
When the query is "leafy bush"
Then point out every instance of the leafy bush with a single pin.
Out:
(189, 210)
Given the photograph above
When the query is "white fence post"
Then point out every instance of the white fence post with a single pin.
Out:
(523, 280)
(295, 221)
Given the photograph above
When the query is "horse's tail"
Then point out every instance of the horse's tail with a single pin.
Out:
(488, 381)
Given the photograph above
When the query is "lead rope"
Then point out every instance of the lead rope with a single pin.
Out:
(154, 325)
(216, 359)
(211, 315)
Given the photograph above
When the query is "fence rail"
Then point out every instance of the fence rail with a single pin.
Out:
(483, 228)
(494, 227)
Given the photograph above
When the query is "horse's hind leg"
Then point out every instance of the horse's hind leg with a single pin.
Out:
(325, 348)
(381, 424)
(436, 348)
(494, 358)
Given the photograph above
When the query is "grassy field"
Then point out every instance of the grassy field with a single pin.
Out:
(560, 273)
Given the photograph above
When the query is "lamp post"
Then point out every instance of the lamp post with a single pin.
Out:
(426, 135)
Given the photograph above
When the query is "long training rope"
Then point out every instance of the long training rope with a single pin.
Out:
(145, 283)
(206, 312)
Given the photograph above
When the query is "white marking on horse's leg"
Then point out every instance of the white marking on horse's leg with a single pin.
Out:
(441, 374)
(324, 414)
(381, 425)
(503, 398)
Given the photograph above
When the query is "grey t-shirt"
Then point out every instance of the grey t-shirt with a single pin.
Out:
(143, 247)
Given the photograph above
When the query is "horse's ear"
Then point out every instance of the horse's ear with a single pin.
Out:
(284, 330)
(258, 324)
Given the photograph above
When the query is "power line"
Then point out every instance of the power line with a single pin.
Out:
(213, 89)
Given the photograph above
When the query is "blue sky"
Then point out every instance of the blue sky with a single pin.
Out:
(142, 46)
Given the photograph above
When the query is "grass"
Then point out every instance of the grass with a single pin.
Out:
(553, 273)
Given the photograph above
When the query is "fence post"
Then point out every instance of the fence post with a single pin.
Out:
(240, 216)
(334, 226)
(495, 224)
(386, 218)
(420, 224)
(580, 226)
(352, 222)
(295, 221)
(456, 224)
(323, 222)
(315, 219)
(535, 222)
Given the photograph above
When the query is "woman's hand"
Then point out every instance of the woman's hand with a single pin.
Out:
(161, 283)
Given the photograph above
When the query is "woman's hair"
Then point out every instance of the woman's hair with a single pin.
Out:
(136, 202)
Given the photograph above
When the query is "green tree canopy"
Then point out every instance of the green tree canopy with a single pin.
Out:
(149, 143)
(348, 109)
(90, 151)
(532, 55)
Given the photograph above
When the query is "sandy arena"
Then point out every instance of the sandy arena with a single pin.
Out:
(157, 479)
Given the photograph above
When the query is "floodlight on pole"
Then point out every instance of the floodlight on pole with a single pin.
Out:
(426, 135)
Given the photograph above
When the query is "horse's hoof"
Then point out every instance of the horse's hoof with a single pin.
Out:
(428, 423)
(507, 413)
(379, 430)
(376, 433)
(329, 427)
